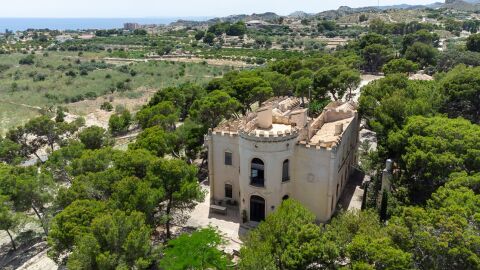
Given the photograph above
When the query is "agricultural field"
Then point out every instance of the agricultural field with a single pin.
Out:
(60, 78)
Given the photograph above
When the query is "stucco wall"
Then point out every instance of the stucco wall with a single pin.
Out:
(273, 154)
(223, 174)
(314, 172)
(311, 180)
(345, 157)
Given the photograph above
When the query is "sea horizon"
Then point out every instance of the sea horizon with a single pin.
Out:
(82, 23)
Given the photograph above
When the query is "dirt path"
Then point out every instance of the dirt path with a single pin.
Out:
(212, 62)
(390, 18)
(21, 104)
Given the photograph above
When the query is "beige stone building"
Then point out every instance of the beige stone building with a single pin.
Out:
(279, 152)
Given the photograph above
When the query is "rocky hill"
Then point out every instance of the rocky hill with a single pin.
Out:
(468, 1)
(300, 15)
(267, 16)
(467, 5)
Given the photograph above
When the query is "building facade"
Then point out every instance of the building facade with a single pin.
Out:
(131, 26)
(278, 152)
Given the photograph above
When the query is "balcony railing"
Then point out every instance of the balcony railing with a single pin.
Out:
(257, 182)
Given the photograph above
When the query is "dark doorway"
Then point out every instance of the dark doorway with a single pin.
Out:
(257, 208)
(228, 191)
(285, 198)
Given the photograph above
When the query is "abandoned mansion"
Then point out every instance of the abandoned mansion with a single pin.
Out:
(279, 152)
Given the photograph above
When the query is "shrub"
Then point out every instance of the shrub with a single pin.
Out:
(27, 60)
(71, 73)
(90, 95)
(39, 77)
(106, 106)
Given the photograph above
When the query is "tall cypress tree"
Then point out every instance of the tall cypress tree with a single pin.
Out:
(384, 206)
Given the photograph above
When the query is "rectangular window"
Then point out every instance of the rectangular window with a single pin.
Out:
(228, 191)
(228, 158)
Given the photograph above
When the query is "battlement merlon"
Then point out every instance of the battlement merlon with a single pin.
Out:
(282, 118)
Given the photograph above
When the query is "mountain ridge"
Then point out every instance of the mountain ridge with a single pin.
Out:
(463, 5)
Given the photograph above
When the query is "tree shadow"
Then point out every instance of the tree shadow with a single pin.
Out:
(233, 214)
(355, 180)
(29, 244)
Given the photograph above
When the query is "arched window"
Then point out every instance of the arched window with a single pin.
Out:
(257, 175)
(286, 171)
(286, 197)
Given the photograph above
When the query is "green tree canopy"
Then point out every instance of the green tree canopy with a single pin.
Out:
(462, 90)
(190, 138)
(400, 65)
(279, 243)
(302, 87)
(71, 223)
(28, 189)
(117, 241)
(95, 186)
(10, 221)
(157, 141)
(198, 250)
(133, 194)
(10, 152)
(59, 161)
(336, 80)
(209, 39)
(421, 53)
(251, 89)
(133, 162)
(387, 102)
(281, 84)
(375, 56)
(444, 234)
(119, 122)
(213, 108)
(92, 161)
(449, 59)
(181, 96)
(473, 43)
(180, 184)
(94, 137)
(422, 36)
(163, 114)
(430, 149)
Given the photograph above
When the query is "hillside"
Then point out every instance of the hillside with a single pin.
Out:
(470, 5)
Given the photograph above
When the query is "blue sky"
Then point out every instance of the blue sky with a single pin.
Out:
(173, 8)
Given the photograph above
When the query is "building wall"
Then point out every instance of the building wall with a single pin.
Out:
(224, 174)
(314, 172)
(345, 158)
(273, 154)
(312, 176)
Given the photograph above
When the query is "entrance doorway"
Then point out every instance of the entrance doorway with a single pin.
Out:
(257, 208)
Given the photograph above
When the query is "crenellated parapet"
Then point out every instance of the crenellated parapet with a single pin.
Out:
(269, 136)
(327, 146)
(225, 133)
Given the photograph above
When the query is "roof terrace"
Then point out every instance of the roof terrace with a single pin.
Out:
(283, 117)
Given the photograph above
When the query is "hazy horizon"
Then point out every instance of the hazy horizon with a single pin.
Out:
(52, 9)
